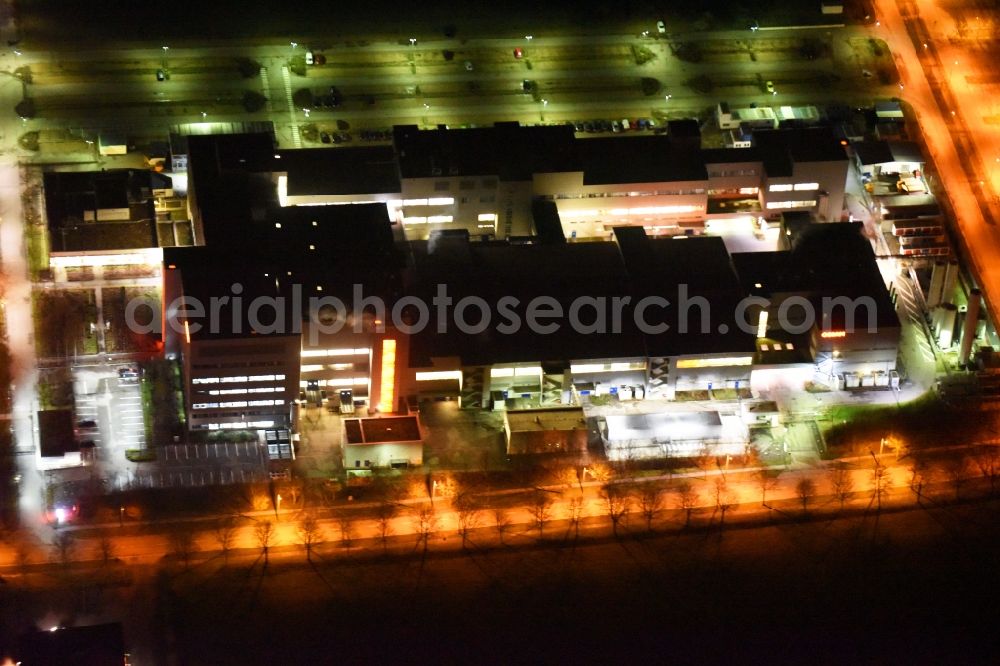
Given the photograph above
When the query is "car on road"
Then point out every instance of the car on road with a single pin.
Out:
(769, 87)
(518, 53)
(161, 75)
(468, 66)
(661, 27)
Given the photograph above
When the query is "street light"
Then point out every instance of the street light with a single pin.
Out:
(294, 44)
(529, 37)
(413, 41)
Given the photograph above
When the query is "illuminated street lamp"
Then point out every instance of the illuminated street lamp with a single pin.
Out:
(413, 41)
(529, 37)
(545, 103)
(165, 49)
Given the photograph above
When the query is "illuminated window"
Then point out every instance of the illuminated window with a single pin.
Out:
(833, 334)
(780, 188)
(749, 190)
(440, 201)
(487, 217)
(388, 379)
(806, 187)
(806, 203)
(438, 375)
(438, 219)
(720, 362)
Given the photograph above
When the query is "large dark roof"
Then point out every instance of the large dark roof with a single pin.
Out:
(71, 196)
(356, 170)
(782, 148)
(492, 271)
(827, 260)
(645, 159)
(687, 272)
(634, 268)
(508, 151)
(332, 247)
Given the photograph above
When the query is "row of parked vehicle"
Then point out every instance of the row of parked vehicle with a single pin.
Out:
(614, 126)
(364, 135)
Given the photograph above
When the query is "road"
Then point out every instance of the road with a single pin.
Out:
(579, 77)
(140, 541)
(955, 122)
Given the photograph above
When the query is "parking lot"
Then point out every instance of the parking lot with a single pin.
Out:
(106, 394)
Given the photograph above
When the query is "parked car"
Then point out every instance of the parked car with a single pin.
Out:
(588, 126)
(86, 425)
(518, 54)
(468, 66)
(616, 126)
(661, 27)
(309, 58)
(769, 86)
(319, 59)
(626, 125)
(324, 137)
(161, 75)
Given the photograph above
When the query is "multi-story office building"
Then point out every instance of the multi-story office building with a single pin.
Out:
(641, 316)
(485, 180)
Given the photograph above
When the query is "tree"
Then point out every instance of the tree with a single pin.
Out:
(424, 523)
(253, 101)
(724, 498)
(650, 86)
(248, 67)
(686, 500)
(575, 511)
(501, 521)
(64, 547)
(303, 98)
(805, 490)
(264, 532)
(765, 482)
(182, 543)
(616, 504)
(650, 503)
(541, 510)
(706, 461)
(955, 471)
(310, 533)
(468, 517)
(225, 533)
(987, 459)
(567, 476)
(599, 472)
(346, 526)
(919, 471)
(881, 483)
(106, 547)
(842, 483)
(26, 108)
(383, 522)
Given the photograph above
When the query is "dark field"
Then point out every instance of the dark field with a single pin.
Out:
(60, 24)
